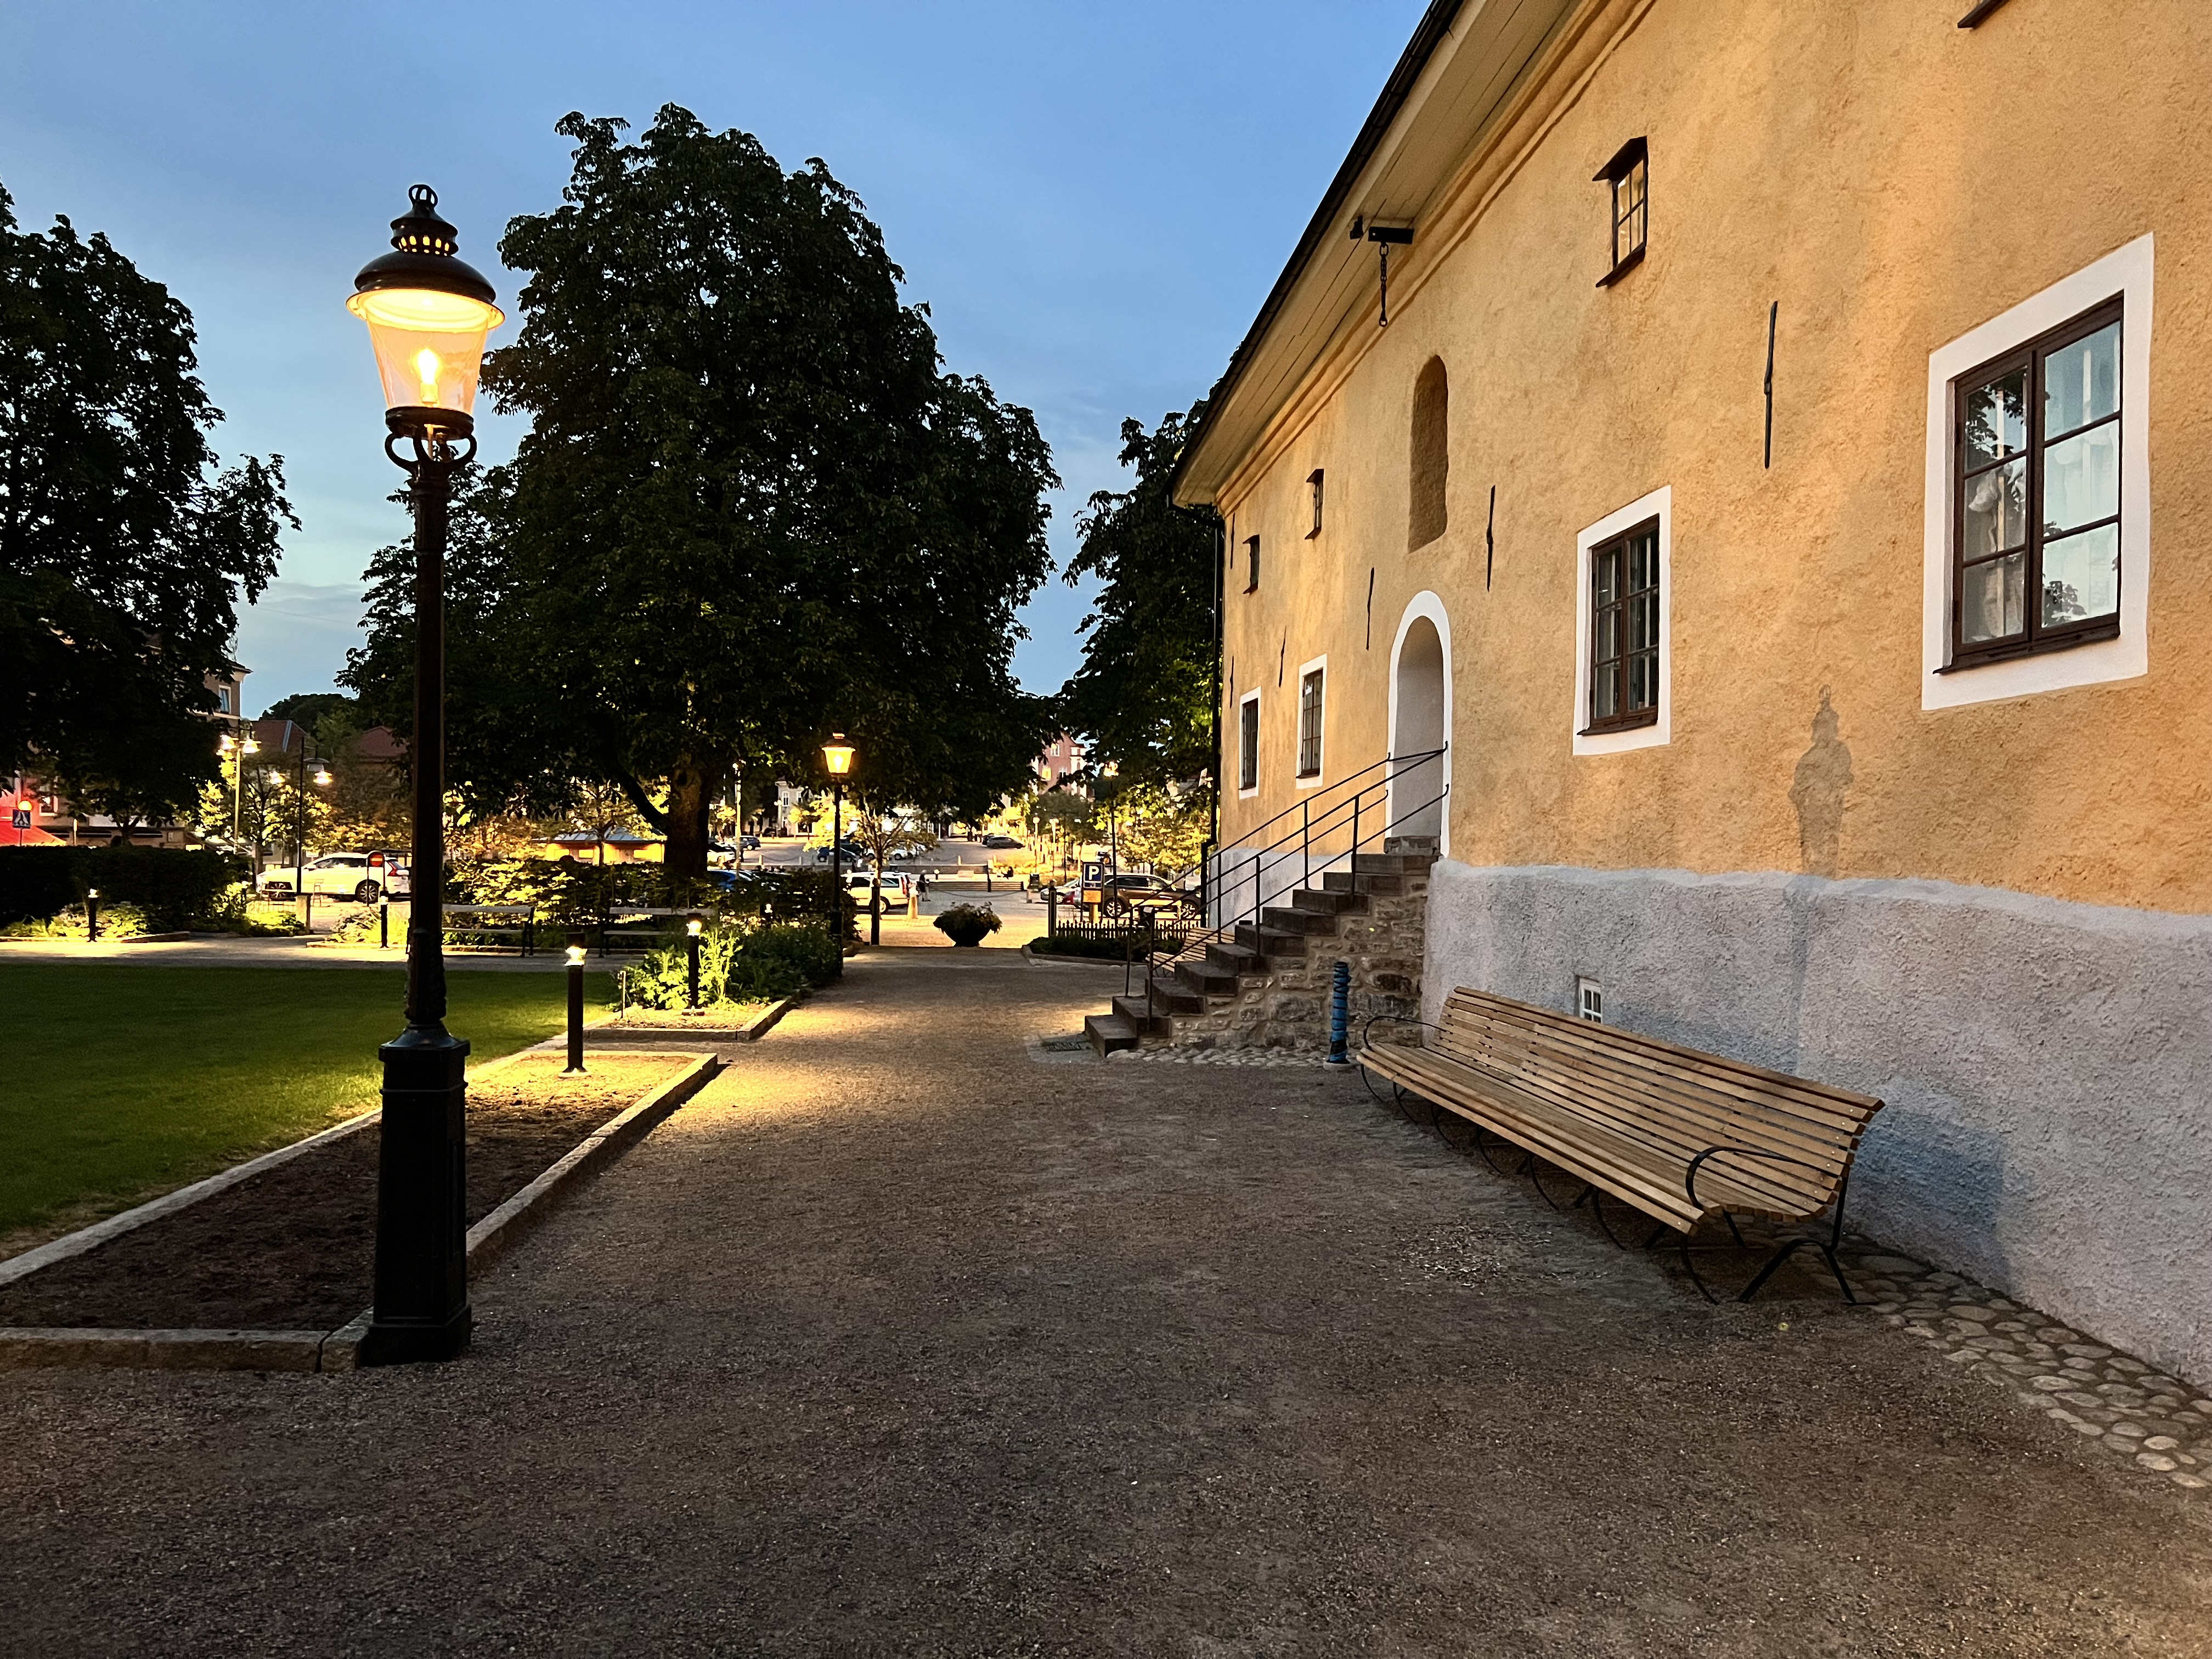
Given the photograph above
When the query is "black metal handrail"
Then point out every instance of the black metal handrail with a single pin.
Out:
(1343, 813)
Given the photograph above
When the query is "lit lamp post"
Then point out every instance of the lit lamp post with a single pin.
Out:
(692, 924)
(428, 314)
(238, 748)
(837, 755)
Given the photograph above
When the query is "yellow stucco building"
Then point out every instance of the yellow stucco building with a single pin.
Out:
(1778, 489)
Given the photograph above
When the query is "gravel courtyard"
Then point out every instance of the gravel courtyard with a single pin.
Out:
(910, 1337)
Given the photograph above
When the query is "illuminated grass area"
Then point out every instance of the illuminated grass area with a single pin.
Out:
(122, 1082)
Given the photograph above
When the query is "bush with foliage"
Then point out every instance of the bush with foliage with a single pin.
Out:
(116, 922)
(176, 888)
(737, 964)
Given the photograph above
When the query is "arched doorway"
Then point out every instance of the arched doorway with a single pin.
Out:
(1421, 721)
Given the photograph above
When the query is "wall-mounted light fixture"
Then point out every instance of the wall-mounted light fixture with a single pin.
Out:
(1386, 237)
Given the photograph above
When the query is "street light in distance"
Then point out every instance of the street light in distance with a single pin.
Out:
(837, 755)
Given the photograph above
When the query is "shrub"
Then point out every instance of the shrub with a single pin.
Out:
(174, 887)
(116, 922)
(737, 964)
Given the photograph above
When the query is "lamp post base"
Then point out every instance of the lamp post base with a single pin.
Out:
(422, 1309)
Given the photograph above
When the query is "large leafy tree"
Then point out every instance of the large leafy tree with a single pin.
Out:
(752, 508)
(1143, 697)
(124, 547)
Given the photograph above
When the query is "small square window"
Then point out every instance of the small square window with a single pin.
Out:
(1309, 724)
(1628, 177)
(1590, 1000)
(1252, 565)
(1313, 485)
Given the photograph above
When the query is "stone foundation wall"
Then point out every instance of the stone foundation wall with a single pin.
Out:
(1290, 1009)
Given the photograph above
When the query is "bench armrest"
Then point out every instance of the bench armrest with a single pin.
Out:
(1690, 1176)
(1372, 1020)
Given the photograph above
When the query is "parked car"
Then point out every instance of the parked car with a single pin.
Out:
(366, 877)
(1000, 843)
(750, 843)
(853, 854)
(895, 889)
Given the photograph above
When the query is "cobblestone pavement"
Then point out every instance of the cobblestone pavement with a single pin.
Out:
(897, 1341)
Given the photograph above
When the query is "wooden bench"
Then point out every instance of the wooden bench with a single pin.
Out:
(1680, 1135)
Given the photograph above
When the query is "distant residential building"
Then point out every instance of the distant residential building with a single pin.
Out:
(1062, 756)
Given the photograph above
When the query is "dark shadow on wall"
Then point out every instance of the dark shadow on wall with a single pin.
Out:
(1823, 778)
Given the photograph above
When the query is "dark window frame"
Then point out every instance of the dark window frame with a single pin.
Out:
(2035, 639)
(1313, 484)
(1620, 666)
(1248, 741)
(1314, 680)
(1252, 573)
(1631, 165)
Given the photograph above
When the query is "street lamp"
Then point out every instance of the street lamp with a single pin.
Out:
(238, 748)
(837, 755)
(692, 924)
(428, 314)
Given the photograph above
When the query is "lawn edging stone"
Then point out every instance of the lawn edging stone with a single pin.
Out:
(87, 1239)
(338, 1350)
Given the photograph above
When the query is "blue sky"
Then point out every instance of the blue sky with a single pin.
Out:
(1093, 199)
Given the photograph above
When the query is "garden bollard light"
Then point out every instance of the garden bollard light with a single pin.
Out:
(1339, 1013)
(691, 927)
(384, 922)
(91, 915)
(575, 1005)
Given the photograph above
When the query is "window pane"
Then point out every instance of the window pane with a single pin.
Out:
(1605, 576)
(2082, 577)
(2082, 478)
(1605, 693)
(1644, 681)
(1608, 634)
(1997, 419)
(1997, 510)
(1643, 562)
(1643, 621)
(2081, 381)
(1989, 599)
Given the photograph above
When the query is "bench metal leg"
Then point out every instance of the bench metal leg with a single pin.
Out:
(1790, 1249)
(1597, 1209)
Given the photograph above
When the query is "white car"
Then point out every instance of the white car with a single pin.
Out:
(364, 876)
(896, 888)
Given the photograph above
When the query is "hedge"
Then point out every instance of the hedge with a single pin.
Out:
(174, 886)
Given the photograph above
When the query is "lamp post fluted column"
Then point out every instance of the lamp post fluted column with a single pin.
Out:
(428, 314)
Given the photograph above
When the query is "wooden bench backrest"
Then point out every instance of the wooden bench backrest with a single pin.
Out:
(1675, 1100)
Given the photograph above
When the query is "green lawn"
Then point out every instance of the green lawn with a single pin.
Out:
(124, 1081)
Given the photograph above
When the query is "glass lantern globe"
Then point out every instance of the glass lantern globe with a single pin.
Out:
(838, 756)
(427, 312)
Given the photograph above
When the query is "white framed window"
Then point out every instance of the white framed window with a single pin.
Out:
(1590, 1000)
(1625, 584)
(1248, 746)
(1977, 386)
(1312, 719)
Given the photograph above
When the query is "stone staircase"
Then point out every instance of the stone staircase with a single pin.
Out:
(1268, 986)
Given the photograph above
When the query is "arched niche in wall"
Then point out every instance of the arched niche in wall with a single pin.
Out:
(1431, 454)
(1421, 721)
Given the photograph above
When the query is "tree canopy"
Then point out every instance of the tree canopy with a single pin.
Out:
(1143, 697)
(124, 546)
(752, 508)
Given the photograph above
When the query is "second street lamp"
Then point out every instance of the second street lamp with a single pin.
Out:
(837, 755)
(428, 314)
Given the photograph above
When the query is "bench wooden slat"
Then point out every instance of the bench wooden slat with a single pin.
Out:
(1665, 1116)
(1755, 1083)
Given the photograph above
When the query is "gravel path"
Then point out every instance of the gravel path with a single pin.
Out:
(897, 1339)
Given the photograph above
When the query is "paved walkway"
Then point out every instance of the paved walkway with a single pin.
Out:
(903, 1338)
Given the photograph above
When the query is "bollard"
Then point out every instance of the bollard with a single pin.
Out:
(1051, 911)
(91, 915)
(576, 953)
(1339, 1014)
(384, 921)
(692, 937)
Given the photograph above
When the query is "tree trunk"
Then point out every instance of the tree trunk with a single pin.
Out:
(690, 793)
